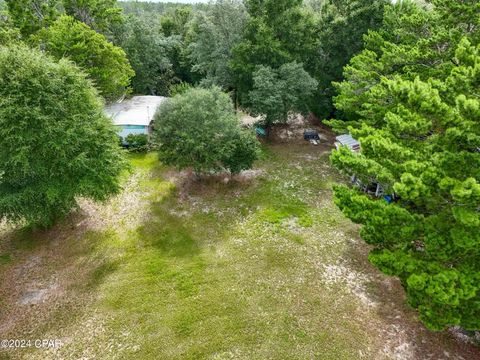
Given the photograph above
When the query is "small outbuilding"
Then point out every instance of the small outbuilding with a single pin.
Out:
(348, 141)
(372, 187)
(135, 115)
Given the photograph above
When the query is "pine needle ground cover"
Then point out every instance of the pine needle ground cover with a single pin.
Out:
(263, 266)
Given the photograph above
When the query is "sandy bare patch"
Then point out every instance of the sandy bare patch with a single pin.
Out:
(248, 120)
(248, 175)
(38, 293)
(354, 281)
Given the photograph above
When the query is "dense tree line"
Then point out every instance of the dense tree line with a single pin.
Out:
(223, 43)
(81, 30)
(226, 42)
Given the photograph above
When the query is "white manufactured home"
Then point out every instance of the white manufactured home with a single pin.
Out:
(135, 115)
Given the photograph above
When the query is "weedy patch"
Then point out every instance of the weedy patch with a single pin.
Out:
(5, 259)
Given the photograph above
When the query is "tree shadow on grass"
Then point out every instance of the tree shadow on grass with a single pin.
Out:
(191, 216)
(169, 234)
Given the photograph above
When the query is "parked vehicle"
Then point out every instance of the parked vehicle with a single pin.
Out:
(310, 134)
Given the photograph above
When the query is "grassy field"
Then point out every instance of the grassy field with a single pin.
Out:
(262, 266)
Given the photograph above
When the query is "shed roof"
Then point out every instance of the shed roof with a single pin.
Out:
(139, 110)
(347, 140)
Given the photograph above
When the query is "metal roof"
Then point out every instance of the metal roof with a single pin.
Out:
(347, 140)
(139, 110)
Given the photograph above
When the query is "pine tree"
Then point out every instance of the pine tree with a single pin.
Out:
(411, 98)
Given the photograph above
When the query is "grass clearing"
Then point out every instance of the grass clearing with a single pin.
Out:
(261, 267)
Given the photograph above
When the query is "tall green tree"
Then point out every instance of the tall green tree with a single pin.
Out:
(148, 51)
(100, 15)
(175, 26)
(9, 34)
(414, 41)
(213, 34)
(411, 98)
(56, 143)
(175, 22)
(276, 33)
(105, 63)
(29, 16)
(276, 93)
(341, 27)
(199, 129)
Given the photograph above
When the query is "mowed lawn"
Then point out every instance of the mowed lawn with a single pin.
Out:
(262, 266)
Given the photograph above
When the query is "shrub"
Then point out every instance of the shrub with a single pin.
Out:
(180, 88)
(137, 142)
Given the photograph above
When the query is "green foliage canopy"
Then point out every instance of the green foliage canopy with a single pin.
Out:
(277, 32)
(212, 35)
(105, 63)
(276, 93)
(9, 34)
(414, 41)
(137, 142)
(199, 129)
(180, 88)
(341, 27)
(175, 25)
(243, 152)
(30, 16)
(148, 52)
(100, 15)
(411, 98)
(323, 36)
(56, 143)
(176, 22)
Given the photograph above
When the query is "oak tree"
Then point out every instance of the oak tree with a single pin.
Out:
(199, 129)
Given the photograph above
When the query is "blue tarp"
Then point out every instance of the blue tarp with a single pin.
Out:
(261, 131)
